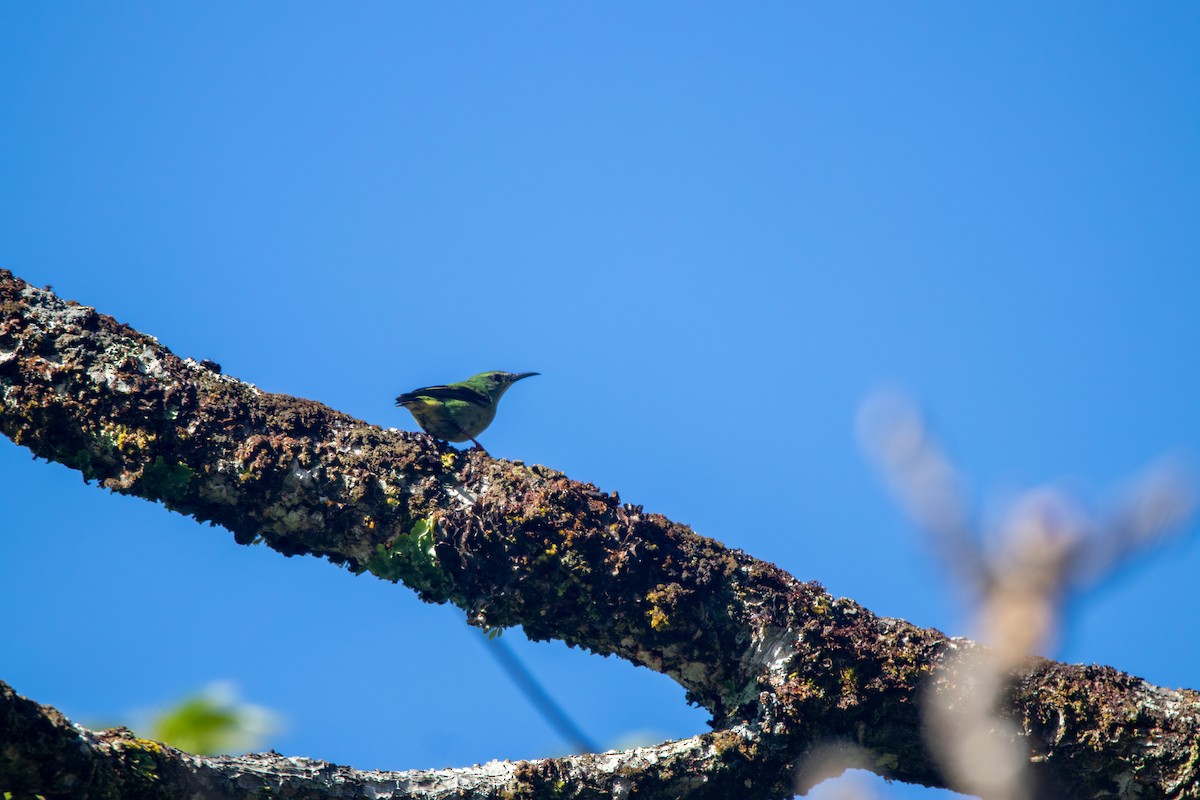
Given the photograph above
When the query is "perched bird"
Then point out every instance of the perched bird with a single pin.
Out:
(460, 411)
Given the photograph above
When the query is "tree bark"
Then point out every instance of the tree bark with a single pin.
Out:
(784, 667)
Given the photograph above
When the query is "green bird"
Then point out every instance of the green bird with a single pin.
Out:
(460, 411)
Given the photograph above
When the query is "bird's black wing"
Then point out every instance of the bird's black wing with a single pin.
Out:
(464, 393)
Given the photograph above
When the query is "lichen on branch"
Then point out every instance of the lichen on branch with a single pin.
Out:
(782, 666)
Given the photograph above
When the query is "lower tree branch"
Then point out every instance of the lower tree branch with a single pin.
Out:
(44, 753)
(783, 666)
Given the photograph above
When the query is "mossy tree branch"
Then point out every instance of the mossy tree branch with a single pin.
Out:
(782, 666)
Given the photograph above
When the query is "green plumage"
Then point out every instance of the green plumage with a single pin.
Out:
(457, 412)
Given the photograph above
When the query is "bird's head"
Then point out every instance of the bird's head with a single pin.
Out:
(495, 384)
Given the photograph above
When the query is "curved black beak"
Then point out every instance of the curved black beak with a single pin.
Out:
(521, 375)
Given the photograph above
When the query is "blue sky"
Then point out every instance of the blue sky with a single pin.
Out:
(713, 229)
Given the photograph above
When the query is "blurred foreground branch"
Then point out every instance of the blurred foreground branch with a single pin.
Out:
(784, 668)
(1019, 576)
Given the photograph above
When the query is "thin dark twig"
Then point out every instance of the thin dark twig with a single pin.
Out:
(541, 700)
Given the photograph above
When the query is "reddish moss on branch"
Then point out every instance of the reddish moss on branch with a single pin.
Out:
(511, 544)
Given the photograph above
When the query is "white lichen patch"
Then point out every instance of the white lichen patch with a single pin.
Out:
(54, 313)
(444, 781)
(465, 497)
(772, 649)
(297, 475)
(209, 374)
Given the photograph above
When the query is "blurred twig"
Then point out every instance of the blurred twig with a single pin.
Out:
(1046, 546)
(539, 698)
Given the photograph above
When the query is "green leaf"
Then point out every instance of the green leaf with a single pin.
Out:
(213, 722)
(412, 558)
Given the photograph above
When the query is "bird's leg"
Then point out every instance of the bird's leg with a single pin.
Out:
(478, 446)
